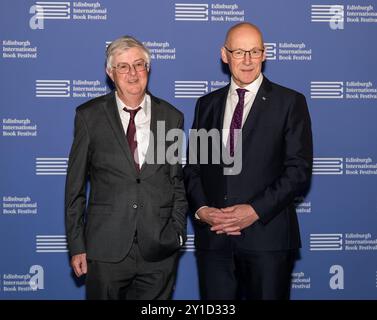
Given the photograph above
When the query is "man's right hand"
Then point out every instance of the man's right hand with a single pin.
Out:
(79, 264)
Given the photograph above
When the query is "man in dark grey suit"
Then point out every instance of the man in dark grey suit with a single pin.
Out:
(246, 228)
(126, 236)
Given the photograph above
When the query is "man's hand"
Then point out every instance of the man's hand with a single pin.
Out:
(235, 219)
(79, 265)
(213, 216)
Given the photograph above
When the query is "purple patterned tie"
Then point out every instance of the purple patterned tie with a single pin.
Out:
(131, 132)
(236, 119)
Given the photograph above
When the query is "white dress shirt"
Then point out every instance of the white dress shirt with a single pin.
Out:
(232, 100)
(142, 124)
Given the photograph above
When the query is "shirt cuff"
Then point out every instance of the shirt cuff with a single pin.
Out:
(196, 213)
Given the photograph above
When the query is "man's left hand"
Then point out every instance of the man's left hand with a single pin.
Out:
(244, 214)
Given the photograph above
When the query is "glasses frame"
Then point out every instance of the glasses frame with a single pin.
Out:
(145, 64)
(245, 52)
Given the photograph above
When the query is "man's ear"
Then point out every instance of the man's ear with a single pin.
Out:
(110, 74)
(264, 55)
(224, 57)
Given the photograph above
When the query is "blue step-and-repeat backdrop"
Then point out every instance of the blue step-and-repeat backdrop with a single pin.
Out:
(52, 60)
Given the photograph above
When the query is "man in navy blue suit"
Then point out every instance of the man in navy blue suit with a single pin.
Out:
(246, 229)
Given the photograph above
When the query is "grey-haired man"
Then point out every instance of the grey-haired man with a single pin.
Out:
(126, 236)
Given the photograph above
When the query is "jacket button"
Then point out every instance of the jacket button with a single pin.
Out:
(134, 206)
(137, 180)
(225, 197)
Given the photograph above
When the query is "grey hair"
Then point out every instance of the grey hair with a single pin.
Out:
(122, 44)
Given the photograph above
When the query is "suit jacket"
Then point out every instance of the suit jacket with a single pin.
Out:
(122, 201)
(276, 168)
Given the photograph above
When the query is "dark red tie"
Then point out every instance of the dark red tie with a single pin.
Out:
(236, 120)
(131, 132)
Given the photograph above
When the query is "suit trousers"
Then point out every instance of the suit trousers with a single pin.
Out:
(133, 278)
(236, 274)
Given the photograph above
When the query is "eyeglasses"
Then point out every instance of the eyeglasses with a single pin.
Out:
(240, 54)
(125, 67)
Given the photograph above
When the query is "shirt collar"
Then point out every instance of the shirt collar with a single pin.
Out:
(251, 87)
(121, 104)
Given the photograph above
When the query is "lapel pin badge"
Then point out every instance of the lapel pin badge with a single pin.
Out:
(264, 98)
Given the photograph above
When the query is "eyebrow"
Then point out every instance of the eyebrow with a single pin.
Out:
(141, 59)
(247, 50)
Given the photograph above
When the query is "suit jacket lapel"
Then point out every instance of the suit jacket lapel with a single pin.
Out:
(112, 114)
(219, 108)
(157, 114)
(260, 102)
(219, 111)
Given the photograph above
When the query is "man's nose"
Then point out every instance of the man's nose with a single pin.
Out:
(247, 58)
(132, 70)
